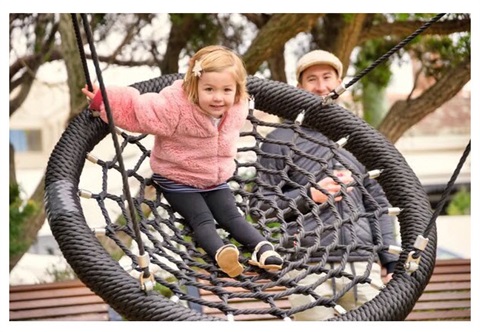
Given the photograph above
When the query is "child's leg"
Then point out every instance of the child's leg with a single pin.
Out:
(193, 208)
(222, 204)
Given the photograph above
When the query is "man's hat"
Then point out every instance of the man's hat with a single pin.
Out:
(319, 57)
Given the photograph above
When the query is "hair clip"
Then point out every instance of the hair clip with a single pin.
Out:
(197, 69)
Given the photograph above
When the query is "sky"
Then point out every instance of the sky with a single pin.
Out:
(267, 6)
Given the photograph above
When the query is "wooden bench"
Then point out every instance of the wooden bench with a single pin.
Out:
(446, 297)
(65, 300)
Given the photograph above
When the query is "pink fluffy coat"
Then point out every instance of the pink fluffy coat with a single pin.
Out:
(188, 148)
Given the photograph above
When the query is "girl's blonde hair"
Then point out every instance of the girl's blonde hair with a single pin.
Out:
(215, 58)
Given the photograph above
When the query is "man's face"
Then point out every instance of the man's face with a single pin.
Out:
(319, 79)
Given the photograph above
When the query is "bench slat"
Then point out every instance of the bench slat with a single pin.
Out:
(444, 296)
(51, 285)
(450, 277)
(83, 317)
(442, 305)
(58, 311)
(439, 315)
(49, 294)
(53, 303)
(448, 286)
(452, 262)
(439, 270)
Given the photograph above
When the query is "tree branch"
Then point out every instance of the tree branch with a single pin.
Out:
(273, 36)
(404, 113)
(406, 28)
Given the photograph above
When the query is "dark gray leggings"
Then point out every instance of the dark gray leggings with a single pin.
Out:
(201, 209)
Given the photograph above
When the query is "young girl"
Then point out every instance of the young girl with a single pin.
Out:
(196, 123)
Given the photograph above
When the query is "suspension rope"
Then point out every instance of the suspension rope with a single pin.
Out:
(393, 50)
(448, 189)
(342, 88)
(81, 51)
(143, 260)
(414, 255)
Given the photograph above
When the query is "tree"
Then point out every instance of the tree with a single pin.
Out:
(40, 32)
(443, 50)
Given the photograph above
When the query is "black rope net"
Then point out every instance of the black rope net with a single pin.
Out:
(102, 248)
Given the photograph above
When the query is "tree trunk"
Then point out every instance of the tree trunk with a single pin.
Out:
(75, 72)
(349, 31)
(277, 66)
(271, 39)
(77, 101)
(177, 40)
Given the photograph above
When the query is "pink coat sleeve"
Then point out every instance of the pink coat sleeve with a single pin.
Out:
(149, 113)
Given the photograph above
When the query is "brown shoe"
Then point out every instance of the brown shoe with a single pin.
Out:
(227, 260)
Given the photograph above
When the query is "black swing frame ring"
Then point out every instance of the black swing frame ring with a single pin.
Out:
(104, 276)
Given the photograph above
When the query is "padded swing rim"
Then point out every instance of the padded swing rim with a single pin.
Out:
(104, 276)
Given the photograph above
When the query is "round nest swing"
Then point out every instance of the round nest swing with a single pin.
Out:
(178, 266)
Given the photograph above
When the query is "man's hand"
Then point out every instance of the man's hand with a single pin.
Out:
(330, 185)
(387, 278)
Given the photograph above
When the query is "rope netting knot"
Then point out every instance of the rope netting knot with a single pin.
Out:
(98, 240)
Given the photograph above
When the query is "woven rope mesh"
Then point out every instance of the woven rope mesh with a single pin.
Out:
(100, 244)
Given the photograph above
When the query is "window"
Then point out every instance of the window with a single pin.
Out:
(26, 140)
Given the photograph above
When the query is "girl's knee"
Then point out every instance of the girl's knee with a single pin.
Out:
(204, 219)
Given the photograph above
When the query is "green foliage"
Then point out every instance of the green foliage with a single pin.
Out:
(411, 16)
(165, 291)
(14, 194)
(20, 211)
(61, 275)
(117, 254)
(371, 51)
(207, 29)
(436, 53)
(347, 17)
(370, 91)
(460, 203)
(439, 53)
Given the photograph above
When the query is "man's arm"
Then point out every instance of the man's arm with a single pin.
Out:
(274, 191)
(387, 227)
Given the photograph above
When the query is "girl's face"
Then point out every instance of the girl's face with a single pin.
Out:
(216, 92)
